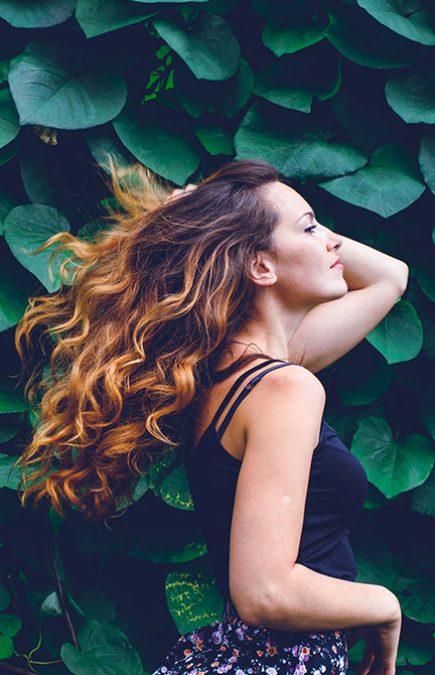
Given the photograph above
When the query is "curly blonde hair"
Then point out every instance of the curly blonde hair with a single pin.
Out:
(128, 343)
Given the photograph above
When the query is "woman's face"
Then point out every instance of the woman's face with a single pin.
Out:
(304, 252)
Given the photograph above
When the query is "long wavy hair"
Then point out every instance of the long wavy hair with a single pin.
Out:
(116, 359)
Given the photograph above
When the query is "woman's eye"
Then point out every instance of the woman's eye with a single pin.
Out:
(311, 228)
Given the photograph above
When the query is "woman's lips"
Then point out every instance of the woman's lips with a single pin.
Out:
(338, 266)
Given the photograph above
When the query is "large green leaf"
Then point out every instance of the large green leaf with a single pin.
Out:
(399, 336)
(10, 624)
(293, 26)
(164, 143)
(290, 142)
(427, 411)
(426, 157)
(104, 649)
(55, 85)
(11, 399)
(423, 497)
(206, 43)
(9, 475)
(393, 466)
(175, 491)
(416, 594)
(386, 185)
(27, 227)
(414, 19)
(36, 13)
(216, 139)
(9, 125)
(193, 596)
(97, 17)
(412, 95)
(293, 81)
(13, 296)
(364, 41)
(220, 98)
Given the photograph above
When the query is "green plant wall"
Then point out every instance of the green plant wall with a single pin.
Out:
(339, 96)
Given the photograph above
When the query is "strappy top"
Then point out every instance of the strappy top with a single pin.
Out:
(336, 492)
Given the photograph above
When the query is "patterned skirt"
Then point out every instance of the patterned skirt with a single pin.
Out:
(231, 646)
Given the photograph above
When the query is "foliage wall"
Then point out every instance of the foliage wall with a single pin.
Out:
(338, 95)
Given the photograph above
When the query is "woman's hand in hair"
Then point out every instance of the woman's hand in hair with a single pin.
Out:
(181, 191)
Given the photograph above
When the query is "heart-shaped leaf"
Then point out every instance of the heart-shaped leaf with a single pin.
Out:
(399, 336)
(290, 142)
(55, 86)
(206, 43)
(28, 226)
(412, 95)
(393, 466)
(9, 124)
(36, 14)
(386, 185)
(414, 19)
(97, 17)
(163, 143)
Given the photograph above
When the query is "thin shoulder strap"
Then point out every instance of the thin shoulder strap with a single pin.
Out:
(245, 391)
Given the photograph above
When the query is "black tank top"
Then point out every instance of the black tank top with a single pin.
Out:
(336, 493)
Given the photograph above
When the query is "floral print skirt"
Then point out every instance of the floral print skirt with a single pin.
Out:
(231, 646)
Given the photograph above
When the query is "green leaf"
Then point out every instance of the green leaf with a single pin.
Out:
(392, 466)
(386, 185)
(55, 85)
(9, 124)
(10, 624)
(412, 95)
(193, 596)
(175, 491)
(164, 143)
(426, 157)
(97, 17)
(427, 411)
(13, 296)
(289, 39)
(406, 17)
(9, 426)
(5, 598)
(10, 476)
(366, 42)
(215, 138)
(51, 606)
(96, 605)
(206, 43)
(11, 399)
(416, 594)
(169, 534)
(6, 647)
(423, 497)
(293, 81)
(399, 336)
(36, 14)
(28, 226)
(105, 650)
(291, 143)
(220, 98)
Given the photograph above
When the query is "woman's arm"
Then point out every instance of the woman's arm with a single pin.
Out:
(282, 421)
(331, 329)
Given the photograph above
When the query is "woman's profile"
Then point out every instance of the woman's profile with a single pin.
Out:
(201, 317)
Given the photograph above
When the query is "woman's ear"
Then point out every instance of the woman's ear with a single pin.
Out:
(262, 270)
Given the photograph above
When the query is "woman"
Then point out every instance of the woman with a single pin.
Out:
(204, 317)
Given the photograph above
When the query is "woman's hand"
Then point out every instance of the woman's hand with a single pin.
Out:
(180, 191)
(381, 646)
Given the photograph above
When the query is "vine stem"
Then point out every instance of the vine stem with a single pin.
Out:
(62, 598)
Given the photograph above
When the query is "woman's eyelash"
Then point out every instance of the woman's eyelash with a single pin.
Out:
(309, 229)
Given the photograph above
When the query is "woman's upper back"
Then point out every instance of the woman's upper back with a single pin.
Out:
(290, 499)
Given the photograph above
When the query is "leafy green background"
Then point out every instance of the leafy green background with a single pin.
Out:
(338, 95)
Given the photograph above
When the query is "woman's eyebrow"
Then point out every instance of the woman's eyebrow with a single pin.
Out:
(308, 213)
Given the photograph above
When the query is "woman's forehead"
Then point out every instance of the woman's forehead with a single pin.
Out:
(291, 204)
